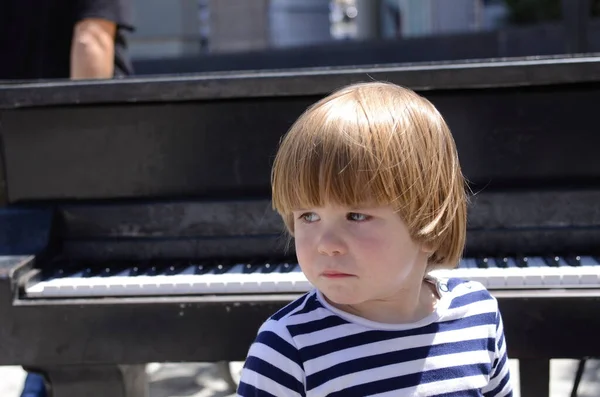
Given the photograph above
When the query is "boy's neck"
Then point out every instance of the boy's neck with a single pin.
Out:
(407, 306)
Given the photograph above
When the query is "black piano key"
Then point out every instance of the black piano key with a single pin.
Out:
(522, 261)
(96, 270)
(482, 263)
(221, 268)
(287, 267)
(552, 261)
(175, 268)
(152, 270)
(252, 267)
(137, 270)
(201, 268)
(510, 262)
(269, 267)
(573, 260)
(501, 262)
(56, 273)
(64, 269)
(108, 271)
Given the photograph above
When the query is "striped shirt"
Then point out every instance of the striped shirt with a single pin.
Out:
(310, 348)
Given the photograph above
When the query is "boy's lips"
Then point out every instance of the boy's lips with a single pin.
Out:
(335, 274)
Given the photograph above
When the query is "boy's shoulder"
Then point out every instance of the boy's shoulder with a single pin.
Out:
(300, 310)
(300, 306)
(461, 286)
(279, 331)
(457, 285)
(464, 292)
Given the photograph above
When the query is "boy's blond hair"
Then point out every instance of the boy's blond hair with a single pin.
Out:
(382, 144)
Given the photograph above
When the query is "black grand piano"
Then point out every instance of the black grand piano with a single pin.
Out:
(137, 225)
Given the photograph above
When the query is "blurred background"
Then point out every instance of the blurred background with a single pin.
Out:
(187, 36)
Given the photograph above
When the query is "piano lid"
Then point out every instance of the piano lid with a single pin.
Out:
(518, 124)
(441, 75)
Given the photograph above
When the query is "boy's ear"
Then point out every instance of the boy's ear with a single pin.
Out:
(428, 248)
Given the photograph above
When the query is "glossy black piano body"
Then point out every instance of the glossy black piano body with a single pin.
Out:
(155, 172)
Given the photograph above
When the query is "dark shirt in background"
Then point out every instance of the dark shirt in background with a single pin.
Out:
(36, 35)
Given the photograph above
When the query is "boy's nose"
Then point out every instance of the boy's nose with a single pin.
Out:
(331, 245)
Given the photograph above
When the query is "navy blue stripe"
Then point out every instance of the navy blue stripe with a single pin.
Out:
(470, 298)
(455, 282)
(284, 311)
(457, 372)
(399, 382)
(279, 344)
(396, 357)
(312, 304)
(500, 386)
(491, 346)
(316, 325)
(270, 371)
(246, 390)
(501, 364)
(345, 342)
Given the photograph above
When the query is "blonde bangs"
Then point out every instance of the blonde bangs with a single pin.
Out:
(376, 143)
(328, 164)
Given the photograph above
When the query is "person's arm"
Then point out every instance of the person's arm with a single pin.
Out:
(93, 49)
(273, 366)
(499, 384)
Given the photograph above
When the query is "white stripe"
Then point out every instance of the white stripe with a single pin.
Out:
(328, 334)
(314, 315)
(400, 369)
(443, 386)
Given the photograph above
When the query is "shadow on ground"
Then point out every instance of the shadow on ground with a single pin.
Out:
(190, 380)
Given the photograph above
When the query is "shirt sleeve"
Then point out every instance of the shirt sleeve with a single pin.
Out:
(117, 11)
(499, 384)
(273, 366)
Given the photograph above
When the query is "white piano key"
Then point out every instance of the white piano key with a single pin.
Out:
(495, 278)
(589, 276)
(514, 279)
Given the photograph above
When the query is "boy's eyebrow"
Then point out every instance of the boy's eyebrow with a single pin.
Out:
(366, 206)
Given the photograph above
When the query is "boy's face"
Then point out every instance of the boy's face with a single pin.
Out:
(358, 255)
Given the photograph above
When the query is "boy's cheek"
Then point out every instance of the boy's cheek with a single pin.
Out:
(302, 236)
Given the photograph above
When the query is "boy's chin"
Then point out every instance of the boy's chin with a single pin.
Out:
(340, 298)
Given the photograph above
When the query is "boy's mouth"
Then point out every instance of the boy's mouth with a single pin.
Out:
(335, 274)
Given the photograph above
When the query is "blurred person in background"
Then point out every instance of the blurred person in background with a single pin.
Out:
(53, 39)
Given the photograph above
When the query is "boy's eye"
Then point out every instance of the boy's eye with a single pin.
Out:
(356, 217)
(309, 217)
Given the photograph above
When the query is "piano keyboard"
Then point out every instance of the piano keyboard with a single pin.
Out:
(242, 278)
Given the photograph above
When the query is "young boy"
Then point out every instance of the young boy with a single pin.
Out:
(369, 184)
